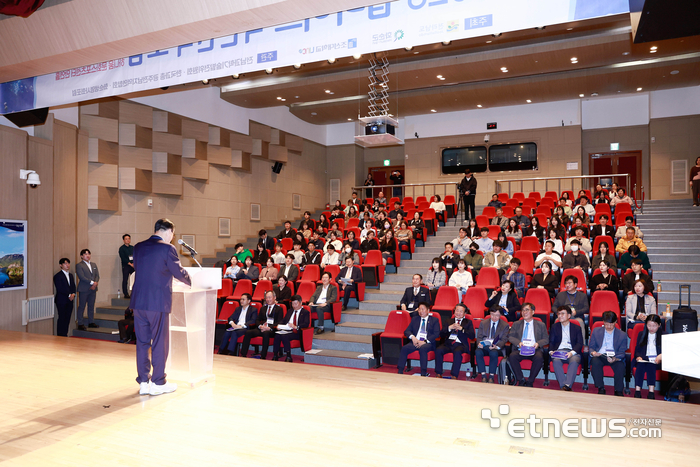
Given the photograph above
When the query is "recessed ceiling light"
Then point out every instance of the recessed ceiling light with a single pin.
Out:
(357, 56)
(594, 94)
(675, 72)
(349, 119)
(439, 76)
(504, 70)
(408, 48)
(653, 48)
(569, 29)
(284, 100)
(478, 105)
(528, 101)
(446, 42)
(488, 42)
(297, 66)
(574, 59)
(314, 113)
(331, 60)
(279, 98)
(416, 52)
(328, 91)
(639, 89)
(236, 76)
(433, 110)
(296, 97)
(625, 53)
(581, 95)
(205, 81)
(268, 71)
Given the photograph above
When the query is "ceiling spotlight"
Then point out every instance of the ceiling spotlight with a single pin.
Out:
(349, 119)
(357, 56)
(594, 94)
(235, 76)
(625, 53)
(528, 101)
(581, 95)
(433, 110)
(504, 70)
(639, 89)
(416, 52)
(331, 60)
(488, 42)
(675, 72)
(574, 59)
(297, 66)
(439, 76)
(283, 100)
(268, 71)
(205, 81)
(496, 35)
(653, 48)
(569, 29)
(409, 48)
(446, 42)
(279, 98)
(314, 113)
(478, 105)
(540, 28)
(328, 91)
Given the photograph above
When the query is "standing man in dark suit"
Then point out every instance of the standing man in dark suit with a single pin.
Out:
(322, 300)
(242, 319)
(65, 296)
(415, 294)
(468, 188)
(155, 264)
(87, 289)
(527, 332)
(457, 331)
(267, 241)
(423, 331)
(269, 316)
(347, 279)
(126, 254)
(296, 319)
(567, 338)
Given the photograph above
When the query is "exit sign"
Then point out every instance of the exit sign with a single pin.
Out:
(387, 162)
(614, 146)
(491, 126)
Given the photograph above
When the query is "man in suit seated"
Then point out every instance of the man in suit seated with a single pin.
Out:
(423, 331)
(490, 339)
(289, 269)
(415, 294)
(347, 279)
(242, 319)
(602, 228)
(267, 241)
(269, 316)
(65, 296)
(636, 274)
(322, 300)
(287, 232)
(456, 331)
(527, 332)
(565, 337)
(607, 346)
(290, 328)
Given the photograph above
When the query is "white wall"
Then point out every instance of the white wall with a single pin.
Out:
(675, 102)
(613, 112)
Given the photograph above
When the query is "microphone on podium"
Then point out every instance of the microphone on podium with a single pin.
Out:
(193, 252)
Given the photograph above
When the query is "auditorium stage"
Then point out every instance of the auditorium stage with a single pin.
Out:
(74, 402)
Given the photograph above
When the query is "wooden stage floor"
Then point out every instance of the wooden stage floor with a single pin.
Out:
(74, 402)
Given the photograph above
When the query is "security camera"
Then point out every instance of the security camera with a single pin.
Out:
(31, 177)
(486, 138)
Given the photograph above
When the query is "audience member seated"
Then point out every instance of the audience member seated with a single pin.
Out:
(490, 339)
(575, 259)
(456, 333)
(351, 212)
(232, 271)
(520, 219)
(260, 256)
(348, 252)
(527, 333)
(287, 232)
(565, 206)
(311, 224)
(289, 329)
(473, 229)
(240, 254)
(462, 242)
(602, 228)
(298, 253)
(396, 224)
(354, 243)
(423, 332)
(613, 190)
(607, 347)
(621, 198)
(336, 213)
(436, 277)
(266, 240)
(583, 243)
(368, 227)
(333, 239)
(517, 278)
(248, 271)
(449, 259)
(581, 194)
(414, 295)
(241, 320)
(628, 240)
(278, 256)
(269, 272)
(535, 230)
(582, 216)
(513, 230)
(569, 201)
(417, 224)
(495, 202)
(584, 202)
(404, 235)
(603, 254)
(500, 220)
(622, 230)
(269, 316)
(289, 270)
(633, 252)
(546, 279)
(508, 245)
(604, 280)
(565, 337)
(555, 223)
(383, 229)
(439, 208)
(555, 236)
(576, 299)
(299, 238)
(578, 224)
(506, 299)
(648, 356)
(639, 305)
(388, 247)
(598, 190)
(484, 243)
(306, 231)
(323, 222)
(634, 275)
(283, 294)
(461, 278)
(381, 199)
(322, 300)
(397, 210)
(473, 259)
(348, 278)
(600, 198)
(312, 256)
(549, 255)
(497, 258)
(369, 244)
(330, 257)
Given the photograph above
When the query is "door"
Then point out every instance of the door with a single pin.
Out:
(380, 175)
(620, 162)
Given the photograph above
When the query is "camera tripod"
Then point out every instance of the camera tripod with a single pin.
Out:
(459, 212)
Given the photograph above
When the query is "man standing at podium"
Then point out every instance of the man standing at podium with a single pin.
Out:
(155, 265)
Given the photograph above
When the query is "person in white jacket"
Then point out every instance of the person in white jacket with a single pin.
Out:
(461, 278)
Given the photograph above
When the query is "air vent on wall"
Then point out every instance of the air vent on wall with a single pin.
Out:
(679, 177)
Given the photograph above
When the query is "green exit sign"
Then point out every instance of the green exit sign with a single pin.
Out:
(387, 162)
(614, 146)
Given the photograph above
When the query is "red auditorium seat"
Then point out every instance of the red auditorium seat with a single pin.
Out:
(263, 285)
(482, 220)
(488, 278)
(503, 197)
(306, 290)
(519, 196)
(489, 212)
(579, 274)
(243, 286)
(391, 340)
(531, 244)
(475, 299)
(602, 301)
(527, 261)
(445, 301)
(374, 263)
(543, 304)
(603, 238)
(227, 310)
(312, 273)
(535, 195)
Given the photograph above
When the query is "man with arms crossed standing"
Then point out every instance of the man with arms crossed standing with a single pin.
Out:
(155, 265)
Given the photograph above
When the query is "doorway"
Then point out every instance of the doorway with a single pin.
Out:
(620, 162)
(381, 175)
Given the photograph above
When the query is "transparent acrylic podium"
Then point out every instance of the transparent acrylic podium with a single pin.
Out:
(192, 323)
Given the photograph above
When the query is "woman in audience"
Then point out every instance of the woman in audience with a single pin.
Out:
(554, 237)
(581, 214)
(388, 246)
(353, 242)
(581, 194)
(368, 227)
(323, 221)
(336, 213)
(404, 234)
(509, 247)
(369, 181)
(375, 206)
(513, 230)
(338, 205)
(461, 278)
(556, 225)
(397, 221)
(333, 240)
(349, 252)
(306, 231)
(261, 254)
(299, 238)
(439, 207)
(569, 202)
(639, 304)
(435, 278)
(248, 271)
(232, 272)
(604, 280)
(283, 293)
(352, 213)
(278, 255)
(598, 190)
(335, 228)
(648, 356)
(621, 198)
(507, 299)
(417, 224)
(559, 213)
(473, 230)
(383, 229)
(534, 230)
(381, 199)
(370, 243)
(613, 191)
(546, 279)
(601, 198)
(603, 254)
(269, 272)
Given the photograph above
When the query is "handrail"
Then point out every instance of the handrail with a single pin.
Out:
(412, 186)
(546, 180)
(634, 197)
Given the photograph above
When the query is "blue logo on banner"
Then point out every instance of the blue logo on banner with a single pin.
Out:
(478, 22)
(267, 57)
(352, 43)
